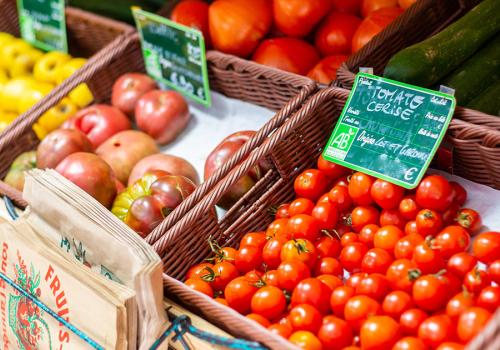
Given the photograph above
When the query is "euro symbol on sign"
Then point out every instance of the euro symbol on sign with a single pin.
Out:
(342, 140)
(410, 173)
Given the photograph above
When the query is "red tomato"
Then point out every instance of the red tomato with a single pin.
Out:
(461, 263)
(450, 214)
(329, 266)
(290, 273)
(298, 17)
(405, 246)
(270, 278)
(386, 194)
(254, 276)
(376, 260)
(409, 343)
(305, 317)
(354, 279)
(359, 188)
(471, 322)
(268, 302)
(404, 4)
(291, 55)
(301, 206)
(372, 25)
(282, 211)
(326, 214)
(237, 26)
(328, 247)
(343, 181)
(486, 247)
(271, 253)
(362, 216)
(339, 298)
(278, 229)
(494, 271)
(200, 286)
(305, 340)
(436, 330)
(323, 199)
(311, 183)
(349, 6)
(264, 322)
(459, 193)
(469, 219)
(331, 281)
(199, 270)
(387, 237)
(334, 35)
(428, 222)
(374, 285)
(434, 192)
(411, 227)
(427, 258)
(222, 273)
(194, 14)
(369, 6)
(408, 207)
(489, 298)
(340, 198)
(392, 217)
(281, 330)
(257, 239)
(332, 170)
(301, 250)
(248, 258)
(452, 240)
(348, 237)
(379, 332)
(335, 333)
(359, 308)
(313, 292)
(452, 282)
(401, 275)
(475, 280)
(447, 345)
(430, 293)
(367, 233)
(225, 254)
(239, 293)
(397, 302)
(352, 255)
(411, 320)
(303, 226)
(459, 303)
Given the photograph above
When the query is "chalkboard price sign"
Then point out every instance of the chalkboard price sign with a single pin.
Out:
(43, 24)
(390, 130)
(174, 55)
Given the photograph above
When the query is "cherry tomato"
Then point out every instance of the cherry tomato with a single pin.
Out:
(268, 302)
(376, 260)
(429, 293)
(335, 33)
(401, 274)
(335, 333)
(374, 285)
(411, 320)
(366, 234)
(372, 25)
(397, 302)
(290, 273)
(323, 199)
(198, 270)
(194, 14)
(459, 193)
(270, 278)
(254, 277)
(471, 322)
(459, 303)
(359, 308)
(436, 330)
(450, 346)
(452, 282)
(326, 214)
(221, 274)
(369, 6)
(299, 249)
(313, 292)
(343, 181)
(331, 281)
(486, 247)
(281, 330)
(271, 254)
(304, 226)
(386, 194)
(340, 198)
(364, 215)
(379, 332)
(328, 247)
(330, 169)
(310, 184)
(257, 239)
(278, 228)
(449, 215)
(411, 227)
(489, 298)
(469, 219)
(298, 17)
(329, 266)
(392, 217)
(200, 286)
(359, 188)
(494, 271)
(409, 343)
(283, 211)
(452, 240)
(301, 206)
(461, 263)
(305, 317)
(352, 255)
(427, 258)
(475, 280)
(248, 258)
(429, 222)
(355, 278)
(434, 192)
(349, 237)
(405, 246)
(264, 322)
(408, 207)
(305, 340)
(387, 237)
(239, 293)
(339, 298)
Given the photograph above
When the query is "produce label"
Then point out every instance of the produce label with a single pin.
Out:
(174, 55)
(43, 24)
(390, 130)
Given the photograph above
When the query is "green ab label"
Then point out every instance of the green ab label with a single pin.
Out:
(342, 140)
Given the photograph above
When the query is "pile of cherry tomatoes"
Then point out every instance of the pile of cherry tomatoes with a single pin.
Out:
(356, 262)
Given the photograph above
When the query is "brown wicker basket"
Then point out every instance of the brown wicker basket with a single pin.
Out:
(293, 147)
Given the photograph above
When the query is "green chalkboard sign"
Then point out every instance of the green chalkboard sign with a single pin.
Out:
(43, 24)
(390, 130)
(174, 55)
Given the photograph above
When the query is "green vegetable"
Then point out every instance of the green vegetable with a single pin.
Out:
(488, 101)
(477, 73)
(427, 62)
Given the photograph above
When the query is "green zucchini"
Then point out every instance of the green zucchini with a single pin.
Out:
(427, 62)
(477, 73)
(488, 101)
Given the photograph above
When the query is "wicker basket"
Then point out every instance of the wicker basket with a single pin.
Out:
(293, 147)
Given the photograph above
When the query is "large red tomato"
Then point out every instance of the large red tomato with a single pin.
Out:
(194, 14)
(288, 54)
(326, 69)
(298, 17)
(372, 25)
(237, 26)
(334, 35)
(369, 6)
(349, 6)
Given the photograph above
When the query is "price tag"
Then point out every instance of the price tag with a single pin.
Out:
(43, 24)
(390, 130)
(174, 55)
